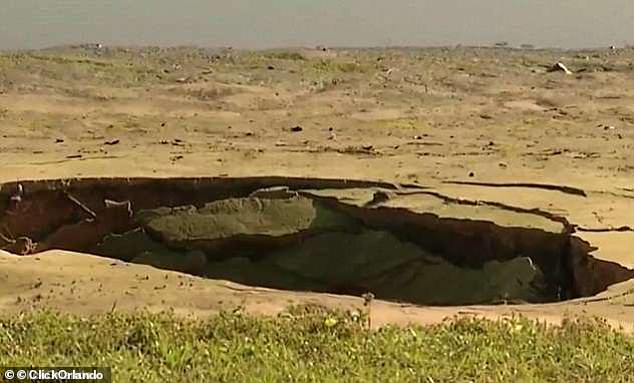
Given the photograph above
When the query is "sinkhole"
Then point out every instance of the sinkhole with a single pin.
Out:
(401, 243)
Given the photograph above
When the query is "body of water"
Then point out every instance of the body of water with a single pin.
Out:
(290, 23)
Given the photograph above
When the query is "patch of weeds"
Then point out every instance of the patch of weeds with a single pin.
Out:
(286, 55)
(330, 66)
(324, 85)
(311, 343)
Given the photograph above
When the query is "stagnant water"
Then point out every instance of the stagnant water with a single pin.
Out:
(254, 232)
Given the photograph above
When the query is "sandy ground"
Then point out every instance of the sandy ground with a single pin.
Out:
(478, 124)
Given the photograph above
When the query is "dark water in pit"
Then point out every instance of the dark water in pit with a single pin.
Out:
(267, 23)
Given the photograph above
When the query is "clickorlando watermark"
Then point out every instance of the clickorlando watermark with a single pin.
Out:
(57, 374)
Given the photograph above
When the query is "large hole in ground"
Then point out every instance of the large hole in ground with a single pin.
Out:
(306, 235)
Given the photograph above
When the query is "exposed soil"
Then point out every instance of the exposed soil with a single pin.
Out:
(486, 161)
(280, 233)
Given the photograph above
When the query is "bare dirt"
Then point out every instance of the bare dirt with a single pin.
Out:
(489, 135)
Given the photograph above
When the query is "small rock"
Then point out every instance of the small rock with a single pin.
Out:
(559, 67)
(112, 142)
(367, 147)
(59, 140)
(270, 67)
(296, 129)
(471, 174)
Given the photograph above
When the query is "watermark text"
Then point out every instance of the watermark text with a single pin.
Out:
(56, 374)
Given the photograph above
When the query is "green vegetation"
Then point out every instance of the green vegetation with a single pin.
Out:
(286, 55)
(329, 66)
(310, 344)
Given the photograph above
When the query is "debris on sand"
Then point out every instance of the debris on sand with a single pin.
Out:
(559, 67)
(296, 129)
(20, 246)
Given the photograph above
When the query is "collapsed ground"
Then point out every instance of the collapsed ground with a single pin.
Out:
(297, 234)
(481, 126)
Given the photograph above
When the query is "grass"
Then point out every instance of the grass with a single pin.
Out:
(330, 66)
(285, 55)
(310, 344)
